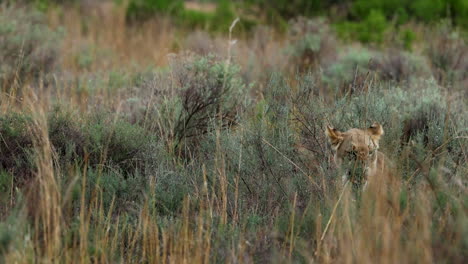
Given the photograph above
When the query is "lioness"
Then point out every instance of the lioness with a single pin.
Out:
(356, 152)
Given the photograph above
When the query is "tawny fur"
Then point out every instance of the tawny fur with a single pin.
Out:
(363, 145)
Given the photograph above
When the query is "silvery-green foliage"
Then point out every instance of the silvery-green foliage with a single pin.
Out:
(312, 42)
(195, 93)
(28, 47)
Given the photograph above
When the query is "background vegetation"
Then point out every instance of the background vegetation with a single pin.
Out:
(160, 131)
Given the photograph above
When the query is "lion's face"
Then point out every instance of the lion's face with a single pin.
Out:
(356, 149)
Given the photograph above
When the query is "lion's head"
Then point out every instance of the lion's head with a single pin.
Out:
(356, 149)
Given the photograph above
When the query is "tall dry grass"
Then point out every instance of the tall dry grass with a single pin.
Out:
(100, 28)
(394, 220)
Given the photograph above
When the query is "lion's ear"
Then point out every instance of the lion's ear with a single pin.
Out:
(334, 136)
(375, 131)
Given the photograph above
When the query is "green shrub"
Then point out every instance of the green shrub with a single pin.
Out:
(459, 10)
(6, 237)
(371, 29)
(407, 37)
(217, 21)
(195, 19)
(290, 9)
(28, 47)
(66, 136)
(223, 16)
(429, 10)
(112, 143)
(43, 5)
(16, 147)
(138, 10)
(6, 182)
(116, 143)
(171, 189)
(389, 8)
(369, 18)
(126, 191)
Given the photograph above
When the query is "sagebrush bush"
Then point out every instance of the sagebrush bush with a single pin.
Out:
(116, 143)
(261, 57)
(203, 160)
(404, 113)
(398, 66)
(196, 93)
(28, 47)
(249, 179)
(448, 53)
(351, 66)
(203, 44)
(66, 136)
(357, 67)
(124, 192)
(313, 43)
(16, 147)
(102, 141)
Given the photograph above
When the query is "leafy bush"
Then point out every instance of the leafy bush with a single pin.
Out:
(459, 10)
(369, 19)
(28, 48)
(407, 38)
(369, 29)
(373, 27)
(428, 11)
(144, 9)
(218, 21)
(195, 19)
(289, 9)
(45, 4)
(223, 16)
(362, 8)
